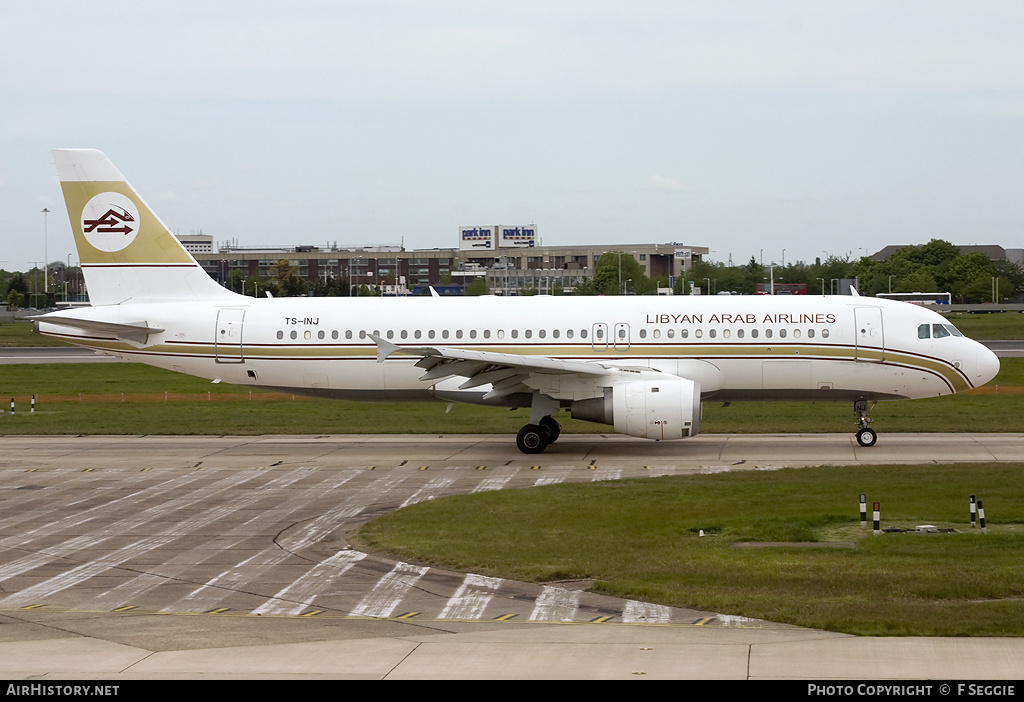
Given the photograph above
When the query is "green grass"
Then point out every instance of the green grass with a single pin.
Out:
(638, 539)
(998, 325)
(262, 415)
(21, 334)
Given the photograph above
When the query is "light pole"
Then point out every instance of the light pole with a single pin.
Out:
(46, 255)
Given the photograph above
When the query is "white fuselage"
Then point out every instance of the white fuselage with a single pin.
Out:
(736, 347)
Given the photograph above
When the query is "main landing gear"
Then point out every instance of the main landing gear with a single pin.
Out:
(866, 436)
(534, 438)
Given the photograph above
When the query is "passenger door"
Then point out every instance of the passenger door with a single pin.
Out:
(869, 335)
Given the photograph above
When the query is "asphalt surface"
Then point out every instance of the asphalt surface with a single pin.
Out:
(233, 557)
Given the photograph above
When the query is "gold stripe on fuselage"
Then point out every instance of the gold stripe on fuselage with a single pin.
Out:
(953, 377)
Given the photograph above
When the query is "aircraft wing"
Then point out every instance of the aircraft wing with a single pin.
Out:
(139, 332)
(505, 372)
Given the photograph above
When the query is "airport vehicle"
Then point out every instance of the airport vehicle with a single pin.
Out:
(919, 298)
(641, 364)
(781, 289)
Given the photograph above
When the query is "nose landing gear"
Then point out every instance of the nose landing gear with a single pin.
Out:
(866, 436)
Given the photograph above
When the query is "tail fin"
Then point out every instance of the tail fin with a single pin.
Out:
(127, 253)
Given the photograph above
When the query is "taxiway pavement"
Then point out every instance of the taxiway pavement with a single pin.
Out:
(185, 557)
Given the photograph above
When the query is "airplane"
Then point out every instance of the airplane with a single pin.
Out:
(643, 365)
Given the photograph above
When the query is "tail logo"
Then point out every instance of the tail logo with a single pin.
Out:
(110, 221)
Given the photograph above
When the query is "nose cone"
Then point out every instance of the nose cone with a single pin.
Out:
(986, 365)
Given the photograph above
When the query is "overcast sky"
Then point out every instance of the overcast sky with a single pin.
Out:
(811, 127)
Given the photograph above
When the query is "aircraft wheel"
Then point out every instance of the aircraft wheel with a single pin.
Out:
(551, 428)
(867, 437)
(531, 439)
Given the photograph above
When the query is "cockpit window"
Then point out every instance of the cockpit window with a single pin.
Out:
(924, 331)
(939, 331)
(953, 330)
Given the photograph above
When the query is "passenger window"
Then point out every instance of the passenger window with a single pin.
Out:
(405, 333)
(753, 333)
(348, 334)
(529, 333)
(739, 333)
(472, 333)
(487, 333)
(796, 333)
(824, 333)
(767, 333)
(924, 331)
(294, 335)
(939, 331)
(417, 334)
(515, 333)
(444, 333)
(782, 333)
(683, 333)
(671, 333)
(643, 333)
(554, 333)
(280, 335)
(334, 334)
(320, 334)
(810, 333)
(698, 333)
(430, 334)
(583, 333)
(713, 333)
(726, 333)
(458, 334)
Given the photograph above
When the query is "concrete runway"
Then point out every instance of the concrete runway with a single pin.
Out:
(160, 557)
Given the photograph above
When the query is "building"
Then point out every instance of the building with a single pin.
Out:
(507, 269)
(196, 243)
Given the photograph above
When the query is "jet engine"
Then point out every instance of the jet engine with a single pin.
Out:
(662, 408)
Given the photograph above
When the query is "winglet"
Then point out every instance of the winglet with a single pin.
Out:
(384, 348)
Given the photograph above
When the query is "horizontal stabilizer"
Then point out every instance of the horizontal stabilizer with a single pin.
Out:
(139, 332)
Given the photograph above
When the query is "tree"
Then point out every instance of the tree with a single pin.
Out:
(477, 287)
(613, 271)
(287, 279)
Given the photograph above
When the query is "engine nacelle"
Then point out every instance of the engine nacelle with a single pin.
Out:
(663, 408)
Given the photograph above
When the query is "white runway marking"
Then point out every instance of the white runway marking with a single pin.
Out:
(556, 604)
(472, 598)
(117, 528)
(492, 484)
(51, 586)
(429, 491)
(388, 593)
(644, 612)
(300, 595)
